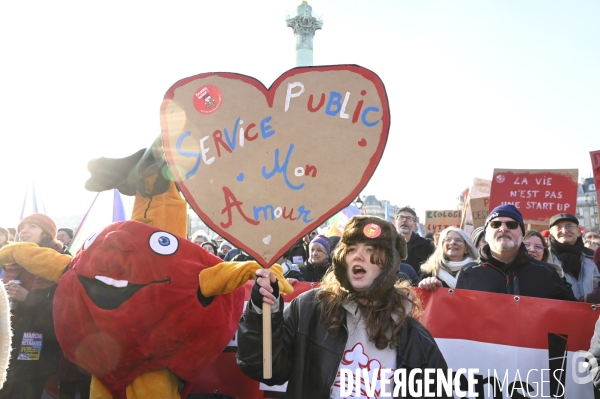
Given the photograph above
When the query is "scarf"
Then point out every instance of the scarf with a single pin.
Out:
(569, 255)
(448, 268)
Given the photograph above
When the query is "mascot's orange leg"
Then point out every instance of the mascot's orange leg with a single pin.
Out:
(166, 211)
(151, 384)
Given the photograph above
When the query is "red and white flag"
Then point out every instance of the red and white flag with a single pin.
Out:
(523, 347)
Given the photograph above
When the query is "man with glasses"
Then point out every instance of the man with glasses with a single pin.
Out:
(419, 248)
(505, 267)
(567, 251)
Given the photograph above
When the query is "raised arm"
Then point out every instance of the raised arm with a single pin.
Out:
(43, 262)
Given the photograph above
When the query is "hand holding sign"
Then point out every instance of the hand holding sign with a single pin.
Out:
(263, 167)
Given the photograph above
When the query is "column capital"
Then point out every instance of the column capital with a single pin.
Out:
(304, 22)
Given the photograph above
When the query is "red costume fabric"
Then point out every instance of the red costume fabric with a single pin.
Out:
(130, 302)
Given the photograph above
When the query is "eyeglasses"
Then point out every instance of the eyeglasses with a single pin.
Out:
(400, 217)
(536, 247)
(568, 227)
(511, 224)
(456, 240)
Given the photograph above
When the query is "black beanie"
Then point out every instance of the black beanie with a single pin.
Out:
(506, 210)
(66, 230)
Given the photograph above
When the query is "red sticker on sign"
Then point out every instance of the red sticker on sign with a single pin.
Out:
(372, 230)
(207, 99)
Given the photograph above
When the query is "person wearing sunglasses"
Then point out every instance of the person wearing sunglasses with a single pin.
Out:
(567, 251)
(419, 248)
(505, 266)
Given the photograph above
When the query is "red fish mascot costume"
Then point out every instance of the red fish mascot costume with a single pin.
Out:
(144, 310)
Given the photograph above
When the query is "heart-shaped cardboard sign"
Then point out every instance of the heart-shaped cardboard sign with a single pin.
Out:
(262, 167)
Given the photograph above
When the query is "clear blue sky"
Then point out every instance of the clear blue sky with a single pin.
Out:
(472, 85)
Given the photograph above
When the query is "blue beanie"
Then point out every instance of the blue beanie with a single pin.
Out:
(508, 211)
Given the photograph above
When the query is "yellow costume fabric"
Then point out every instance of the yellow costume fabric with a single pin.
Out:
(227, 276)
(43, 262)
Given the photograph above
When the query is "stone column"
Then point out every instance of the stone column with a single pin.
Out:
(304, 24)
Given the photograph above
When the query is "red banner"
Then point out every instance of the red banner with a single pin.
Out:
(514, 340)
(506, 319)
(538, 194)
(509, 339)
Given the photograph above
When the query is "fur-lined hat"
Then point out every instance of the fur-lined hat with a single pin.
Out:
(379, 233)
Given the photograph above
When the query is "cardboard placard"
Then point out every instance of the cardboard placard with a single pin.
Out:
(466, 220)
(480, 188)
(479, 210)
(595, 155)
(436, 221)
(262, 167)
(538, 194)
(536, 227)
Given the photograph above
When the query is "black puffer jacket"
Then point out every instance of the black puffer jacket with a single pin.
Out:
(522, 276)
(306, 354)
(419, 249)
(313, 273)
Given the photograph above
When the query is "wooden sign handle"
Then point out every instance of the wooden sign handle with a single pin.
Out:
(267, 341)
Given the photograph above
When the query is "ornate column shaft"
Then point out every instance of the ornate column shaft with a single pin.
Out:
(304, 24)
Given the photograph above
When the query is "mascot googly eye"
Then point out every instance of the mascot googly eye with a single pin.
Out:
(163, 243)
(91, 240)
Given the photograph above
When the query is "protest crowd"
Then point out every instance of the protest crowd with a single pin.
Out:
(366, 280)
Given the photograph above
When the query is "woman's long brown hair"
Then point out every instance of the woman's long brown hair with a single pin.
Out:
(384, 317)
